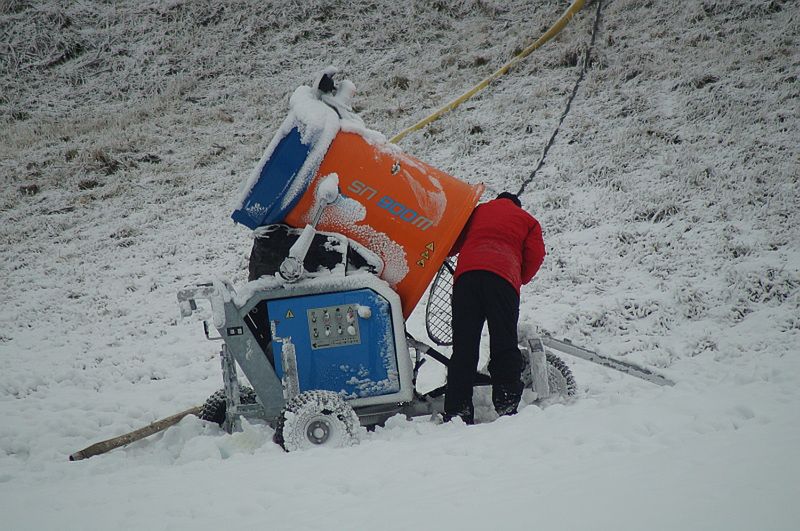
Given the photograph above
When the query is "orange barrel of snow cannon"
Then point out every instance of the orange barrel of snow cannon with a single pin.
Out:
(404, 210)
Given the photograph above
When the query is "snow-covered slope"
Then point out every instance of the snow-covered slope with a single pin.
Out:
(669, 203)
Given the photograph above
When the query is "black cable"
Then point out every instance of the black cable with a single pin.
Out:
(584, 68)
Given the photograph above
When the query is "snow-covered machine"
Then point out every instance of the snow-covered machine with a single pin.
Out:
(349, 232)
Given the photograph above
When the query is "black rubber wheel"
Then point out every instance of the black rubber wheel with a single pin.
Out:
(560, 377)
(316, 418)
(215, 406)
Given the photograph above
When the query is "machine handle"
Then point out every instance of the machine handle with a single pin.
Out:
(208, 335)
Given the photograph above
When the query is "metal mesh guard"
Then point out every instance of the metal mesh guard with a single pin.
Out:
(439, 313)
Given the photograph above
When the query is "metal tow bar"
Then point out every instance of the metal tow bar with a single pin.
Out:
(623, 366)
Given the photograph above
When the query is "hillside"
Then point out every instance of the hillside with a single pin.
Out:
(669, 203)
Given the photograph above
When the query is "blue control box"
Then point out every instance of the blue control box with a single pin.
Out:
(344, 342)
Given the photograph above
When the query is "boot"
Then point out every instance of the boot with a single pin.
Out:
(466, 414)
(505, 400)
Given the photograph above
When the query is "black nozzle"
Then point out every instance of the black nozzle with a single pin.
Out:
(326, 85)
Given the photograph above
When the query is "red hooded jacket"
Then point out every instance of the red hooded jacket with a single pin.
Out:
(502, 238)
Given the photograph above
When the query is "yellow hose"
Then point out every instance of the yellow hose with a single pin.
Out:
(549, 34)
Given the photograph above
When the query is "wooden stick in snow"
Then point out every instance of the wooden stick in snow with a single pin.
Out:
(157, 426)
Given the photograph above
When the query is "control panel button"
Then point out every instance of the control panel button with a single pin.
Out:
(334, 326)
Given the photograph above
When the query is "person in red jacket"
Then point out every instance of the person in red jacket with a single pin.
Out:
(500, 249)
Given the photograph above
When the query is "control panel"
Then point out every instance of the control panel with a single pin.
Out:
(333, 326)
(342, 341)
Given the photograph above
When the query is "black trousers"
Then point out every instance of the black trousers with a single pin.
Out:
(482, 297)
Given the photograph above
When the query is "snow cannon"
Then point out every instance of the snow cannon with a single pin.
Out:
(403, 210)
(349, 231)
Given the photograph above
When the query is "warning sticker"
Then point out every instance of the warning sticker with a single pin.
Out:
(425, 255)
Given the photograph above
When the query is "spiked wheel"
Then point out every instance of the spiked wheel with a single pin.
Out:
(316, 418)
(559, 376)
(215, 406)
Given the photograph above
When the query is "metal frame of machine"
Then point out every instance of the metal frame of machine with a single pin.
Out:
(258, 359)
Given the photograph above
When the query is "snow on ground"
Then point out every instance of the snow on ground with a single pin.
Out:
(669, 204)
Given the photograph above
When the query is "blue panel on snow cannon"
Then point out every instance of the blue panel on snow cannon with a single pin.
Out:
(268, 200)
